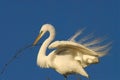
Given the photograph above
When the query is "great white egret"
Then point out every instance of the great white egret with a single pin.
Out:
(69, 56)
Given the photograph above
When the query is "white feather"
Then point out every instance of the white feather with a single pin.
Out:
(69, 57)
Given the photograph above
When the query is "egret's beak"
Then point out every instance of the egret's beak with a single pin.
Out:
(37, 39)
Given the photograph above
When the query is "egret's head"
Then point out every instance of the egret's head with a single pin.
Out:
(46, 27)
(90, 59)
(43, 30)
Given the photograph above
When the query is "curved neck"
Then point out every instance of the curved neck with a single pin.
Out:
(41, 58)
(45, 44)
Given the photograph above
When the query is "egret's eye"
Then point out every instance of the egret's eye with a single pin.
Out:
(41, 32)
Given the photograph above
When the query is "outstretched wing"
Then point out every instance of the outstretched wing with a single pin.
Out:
(94, 51)
(85, 45)
(72, 45)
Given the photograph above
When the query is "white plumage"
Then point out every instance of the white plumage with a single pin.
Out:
(70, 56)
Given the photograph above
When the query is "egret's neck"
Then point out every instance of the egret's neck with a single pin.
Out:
(41, 58)
(45, 44)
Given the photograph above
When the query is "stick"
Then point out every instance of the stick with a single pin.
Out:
(15, 56)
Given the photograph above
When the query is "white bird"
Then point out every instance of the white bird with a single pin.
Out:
(69, 57)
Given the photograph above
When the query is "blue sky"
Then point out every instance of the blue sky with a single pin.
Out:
(20, 21)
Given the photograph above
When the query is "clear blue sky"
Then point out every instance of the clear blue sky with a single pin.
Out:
(20, 21)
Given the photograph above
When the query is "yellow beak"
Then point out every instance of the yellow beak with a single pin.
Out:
(37, 39)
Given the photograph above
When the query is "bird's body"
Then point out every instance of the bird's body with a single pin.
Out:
(64, 63)
(69, 57)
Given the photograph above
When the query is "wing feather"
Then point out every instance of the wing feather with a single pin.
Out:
(94, 51)
(86, 45)
(76, 35)
(72, 45)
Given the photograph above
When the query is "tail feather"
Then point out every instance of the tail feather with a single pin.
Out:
(76, 35)
(99, 48)
(104, 52)
(86, 38)
(93, 44)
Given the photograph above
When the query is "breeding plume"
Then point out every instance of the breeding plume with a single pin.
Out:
(70, 56)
